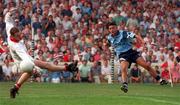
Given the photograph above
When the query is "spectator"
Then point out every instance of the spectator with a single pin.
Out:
(2, 25)
(76, 74)
(86, 8)
(176, 72)
(50, 25)
(158, 71)
(65, 76)
(66, 56)
(149, 55)
(77, 15)
(56, 18)
(165, 74)
(106, 71)
(74, 6)
(174, 68)
(86, 54)
(84, 70)
(18, 24)
(37, 8)
(132, 21)
(38, 35)
(176, 51)
(161, 59)
(44, 22)
(66, 10)
(94, 49)
(135, 74)
(78, 56)
(36, 77)
(40, 55)
(1, 74)
(7, 70)
(97, 56)
(45, 76)
(9, 58)
(36, 25)
(26, 20)
(154, 59)
(1, 8)
(96, 72)
(50, 42)
(178, 57)
(55, 76)
(67, 24)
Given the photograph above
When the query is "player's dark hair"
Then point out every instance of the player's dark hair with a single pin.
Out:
(110, 24)
(13, 31)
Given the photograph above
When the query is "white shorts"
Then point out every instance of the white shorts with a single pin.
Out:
(16, 68)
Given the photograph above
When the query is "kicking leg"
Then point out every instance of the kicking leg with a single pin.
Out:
(52, 67)
(140, 61)
(49, 66)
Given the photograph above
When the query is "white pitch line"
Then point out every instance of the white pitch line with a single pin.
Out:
(153, 99)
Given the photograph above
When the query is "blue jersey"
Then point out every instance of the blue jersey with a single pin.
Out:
(122, 42)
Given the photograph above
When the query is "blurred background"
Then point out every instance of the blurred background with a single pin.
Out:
(68, 30)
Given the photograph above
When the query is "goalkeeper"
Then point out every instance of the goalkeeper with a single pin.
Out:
(19, 54)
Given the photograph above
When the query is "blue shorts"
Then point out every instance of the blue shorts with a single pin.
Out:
(131, 56)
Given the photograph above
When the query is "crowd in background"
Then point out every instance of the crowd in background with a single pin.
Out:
(67, 30)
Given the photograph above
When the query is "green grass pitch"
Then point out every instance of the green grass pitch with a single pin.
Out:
(90, 94)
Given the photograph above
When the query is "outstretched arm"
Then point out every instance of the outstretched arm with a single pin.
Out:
(9, 20)
(139, 39)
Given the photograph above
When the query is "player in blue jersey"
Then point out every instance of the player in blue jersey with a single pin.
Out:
(122, 41)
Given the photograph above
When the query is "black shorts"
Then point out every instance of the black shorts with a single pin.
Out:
(131, 56)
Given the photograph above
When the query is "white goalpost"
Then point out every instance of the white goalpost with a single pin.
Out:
(32, 40)
(112, 64)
